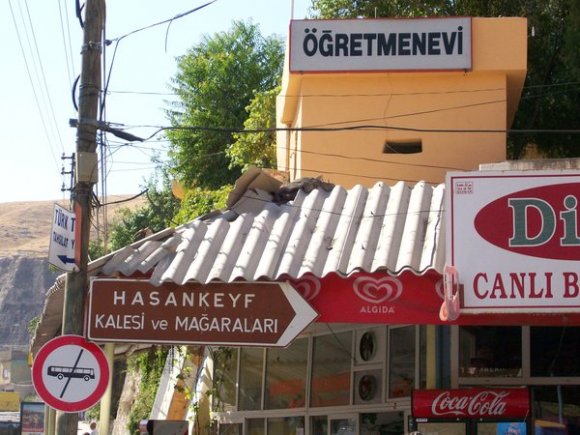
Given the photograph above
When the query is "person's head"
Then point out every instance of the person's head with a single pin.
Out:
(93, 425)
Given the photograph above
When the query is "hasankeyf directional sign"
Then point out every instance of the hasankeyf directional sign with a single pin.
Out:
(61, 251)
(227, 314)
(514, 238)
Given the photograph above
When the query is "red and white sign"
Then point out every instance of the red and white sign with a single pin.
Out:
(380, 45)
(405, 298)
(374, 297)
(70, 374)
(514, 239)
(471, 403)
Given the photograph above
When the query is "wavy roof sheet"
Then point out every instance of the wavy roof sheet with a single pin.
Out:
(322, 231)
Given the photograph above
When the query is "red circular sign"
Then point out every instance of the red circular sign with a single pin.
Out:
(70, 374)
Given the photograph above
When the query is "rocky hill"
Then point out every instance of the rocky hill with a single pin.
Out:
(25, 274)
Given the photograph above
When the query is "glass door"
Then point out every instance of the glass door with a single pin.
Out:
(343, 425)
(501, 428)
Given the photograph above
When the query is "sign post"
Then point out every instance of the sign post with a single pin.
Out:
(61, 251)
(234, 314)
(70, 374)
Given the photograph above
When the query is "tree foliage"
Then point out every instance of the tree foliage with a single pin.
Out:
(216, 80)
(257, 148)
(157, 214)
(198, 202)
(551, 96)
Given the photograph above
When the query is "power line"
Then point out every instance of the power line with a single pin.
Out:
(32, 86)
(363, 127)
(382, 94)
(43, 75)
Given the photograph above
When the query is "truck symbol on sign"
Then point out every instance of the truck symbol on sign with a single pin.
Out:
(71, 372)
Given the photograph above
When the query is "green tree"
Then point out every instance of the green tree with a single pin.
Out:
(157, 214)
(257, 146)
(551, 96)
(216, 80)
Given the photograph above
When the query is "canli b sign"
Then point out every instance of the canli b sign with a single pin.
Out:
(515, 240)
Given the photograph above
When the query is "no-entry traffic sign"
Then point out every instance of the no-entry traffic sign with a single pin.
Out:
(70, 374)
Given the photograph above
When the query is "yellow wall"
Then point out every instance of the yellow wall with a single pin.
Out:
(482, 99)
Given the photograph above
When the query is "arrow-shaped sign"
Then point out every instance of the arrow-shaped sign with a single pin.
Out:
(224, 314)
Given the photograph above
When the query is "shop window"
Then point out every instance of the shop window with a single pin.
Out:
(286, 425)
(251, 368)
(386, 423)
(490, 351)
(331, 363)
(555, 351)
(422, 357)
(319, 425)
(401, 361)
(255, 426)
(230, 429)
(224, 378)
(556, 409)
(286, 376)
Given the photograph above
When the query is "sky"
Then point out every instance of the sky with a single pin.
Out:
(41, 45)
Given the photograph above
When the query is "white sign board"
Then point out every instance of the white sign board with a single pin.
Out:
(515, 241)
(380, 45)
(61, 251)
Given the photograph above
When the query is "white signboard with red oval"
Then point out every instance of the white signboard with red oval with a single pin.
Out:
(70, 374)
(514, 239)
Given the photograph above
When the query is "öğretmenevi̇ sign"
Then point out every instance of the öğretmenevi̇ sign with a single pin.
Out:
(380, 44)
(250, 314)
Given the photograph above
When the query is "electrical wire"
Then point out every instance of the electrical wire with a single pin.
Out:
(384, 94)
(363, 127)
(43, 76)
(66, 46)
(341, 213)
(32, 86)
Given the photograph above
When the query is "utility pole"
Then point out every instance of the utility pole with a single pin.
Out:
(86, 176)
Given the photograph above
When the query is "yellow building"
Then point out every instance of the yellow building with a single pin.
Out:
(412, 117)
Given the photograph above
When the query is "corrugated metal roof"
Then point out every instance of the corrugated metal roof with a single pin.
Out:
(319, 232)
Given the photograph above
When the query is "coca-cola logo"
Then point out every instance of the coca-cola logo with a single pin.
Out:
(483, 403)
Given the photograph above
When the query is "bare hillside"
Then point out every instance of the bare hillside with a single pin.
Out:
(25, 275)
(25, 226)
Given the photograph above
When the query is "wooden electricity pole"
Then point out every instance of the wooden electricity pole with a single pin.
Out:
(86, 176)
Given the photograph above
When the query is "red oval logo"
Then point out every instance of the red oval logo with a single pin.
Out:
(540, 222)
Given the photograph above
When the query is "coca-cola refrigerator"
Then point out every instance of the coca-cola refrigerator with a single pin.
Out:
(471, 411)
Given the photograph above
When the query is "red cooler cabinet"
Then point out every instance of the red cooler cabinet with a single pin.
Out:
(471, 411)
